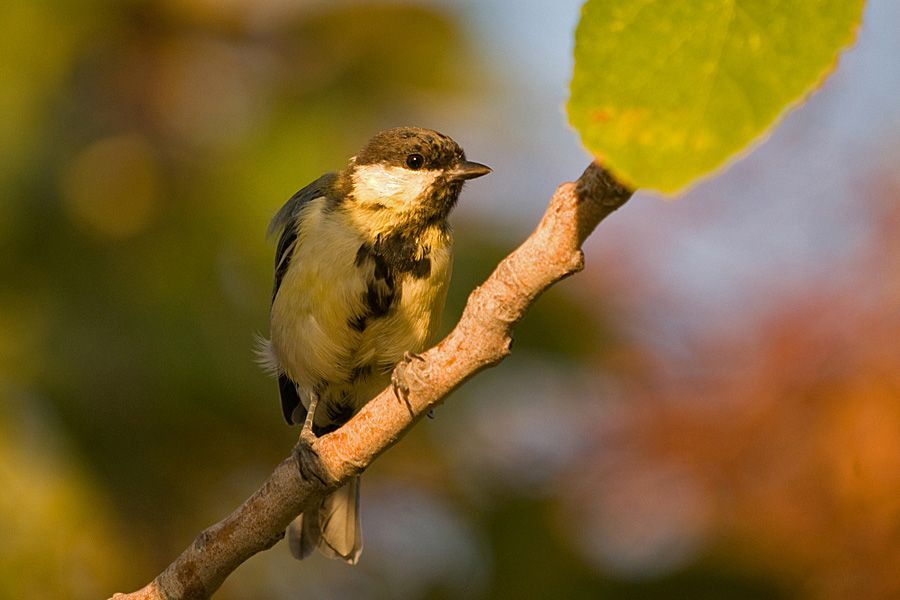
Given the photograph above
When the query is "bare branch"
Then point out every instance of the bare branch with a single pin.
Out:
(481, 339)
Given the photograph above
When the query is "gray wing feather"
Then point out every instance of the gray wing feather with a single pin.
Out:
(286, 221)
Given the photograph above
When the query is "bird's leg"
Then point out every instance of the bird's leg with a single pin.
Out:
(306, 432)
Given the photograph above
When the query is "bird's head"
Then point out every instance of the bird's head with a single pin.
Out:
(408, 177)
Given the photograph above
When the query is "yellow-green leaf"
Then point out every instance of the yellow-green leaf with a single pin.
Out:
(664, 92)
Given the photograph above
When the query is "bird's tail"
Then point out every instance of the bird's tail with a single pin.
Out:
(332, 527)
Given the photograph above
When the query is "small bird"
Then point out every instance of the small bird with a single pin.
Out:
(362, 267)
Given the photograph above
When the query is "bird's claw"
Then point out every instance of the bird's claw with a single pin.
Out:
(401, 390)
(398, 380)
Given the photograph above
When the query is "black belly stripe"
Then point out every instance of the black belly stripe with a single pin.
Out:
(380, 295)
(339, 410)
(421, 269)
(381, 291)
(385, 264)
(357, 323)
(404, 255)
(360, 372)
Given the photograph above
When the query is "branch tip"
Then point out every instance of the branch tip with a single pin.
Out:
(597, 183)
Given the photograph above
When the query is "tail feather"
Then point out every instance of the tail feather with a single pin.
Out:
(333, 527)
(304, 535)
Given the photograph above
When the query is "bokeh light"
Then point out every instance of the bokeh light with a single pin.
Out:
(112, 187)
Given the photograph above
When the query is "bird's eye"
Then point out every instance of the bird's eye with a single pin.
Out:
(415, 161)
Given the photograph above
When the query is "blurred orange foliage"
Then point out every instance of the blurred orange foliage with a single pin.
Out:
(792, 432)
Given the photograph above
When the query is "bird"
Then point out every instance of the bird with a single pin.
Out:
(362, 266)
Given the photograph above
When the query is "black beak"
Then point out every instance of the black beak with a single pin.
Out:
(468, 170)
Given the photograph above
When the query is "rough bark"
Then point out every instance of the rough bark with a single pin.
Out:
(481, 339)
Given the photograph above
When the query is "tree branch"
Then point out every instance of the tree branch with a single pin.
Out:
(481, 339)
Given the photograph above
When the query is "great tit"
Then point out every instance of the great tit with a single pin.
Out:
(362, 267)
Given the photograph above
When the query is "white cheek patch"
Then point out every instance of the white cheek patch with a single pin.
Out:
(392, 187)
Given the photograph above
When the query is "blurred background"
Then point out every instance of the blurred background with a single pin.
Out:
(710, 410)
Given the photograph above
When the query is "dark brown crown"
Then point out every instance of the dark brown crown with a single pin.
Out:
(394, 146)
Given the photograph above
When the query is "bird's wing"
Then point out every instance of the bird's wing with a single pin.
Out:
(286, 221)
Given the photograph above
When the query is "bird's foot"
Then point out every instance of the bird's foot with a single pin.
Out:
(401, 390)
(398, 378)
(305, 453)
